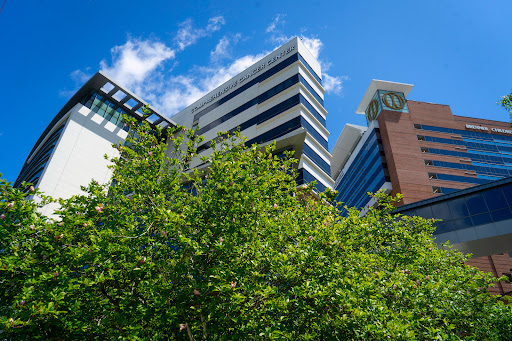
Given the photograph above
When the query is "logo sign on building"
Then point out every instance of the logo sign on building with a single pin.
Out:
(373, 110)
(393, 100)
(385, 100)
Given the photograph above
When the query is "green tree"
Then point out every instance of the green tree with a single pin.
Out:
(506, 102)
(235, 251)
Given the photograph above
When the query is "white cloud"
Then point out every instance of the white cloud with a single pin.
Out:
(180, 91)
(223, 47)
(215, 23)
(80, 77)
(188, 35)
(333, 84)
(142, 66)
(134, 61)
(277, 37)
(314, 45)
(139, 65)
(275, 22)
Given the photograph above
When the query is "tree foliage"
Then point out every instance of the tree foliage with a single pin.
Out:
(234, 251)
(506, 102)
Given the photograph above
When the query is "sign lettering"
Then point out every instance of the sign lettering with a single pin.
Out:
(494, 130)
(256, 70)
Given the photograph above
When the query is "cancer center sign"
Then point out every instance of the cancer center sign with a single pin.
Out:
(246, 76)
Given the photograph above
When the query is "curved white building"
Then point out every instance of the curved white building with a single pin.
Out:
(70, 152)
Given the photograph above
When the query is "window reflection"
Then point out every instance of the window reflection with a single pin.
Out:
(488, 206)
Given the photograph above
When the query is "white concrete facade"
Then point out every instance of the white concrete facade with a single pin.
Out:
(70, 152)
(78, 156)
(216, 106)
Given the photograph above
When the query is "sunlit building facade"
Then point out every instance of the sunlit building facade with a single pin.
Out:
(434, 159)
(70, 152)
(280, 98)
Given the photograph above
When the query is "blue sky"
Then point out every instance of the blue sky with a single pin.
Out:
(171, 52)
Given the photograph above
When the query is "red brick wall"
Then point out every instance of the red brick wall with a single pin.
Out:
(409, 174)
(499, 265)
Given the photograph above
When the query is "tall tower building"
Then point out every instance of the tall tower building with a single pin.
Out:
(416, 148)
(279, 98)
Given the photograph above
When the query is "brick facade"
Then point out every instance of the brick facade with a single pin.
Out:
(409, 174)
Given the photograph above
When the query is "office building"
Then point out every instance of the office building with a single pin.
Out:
(433, 158)
(70, 152)
(280, 98)
(416, 148)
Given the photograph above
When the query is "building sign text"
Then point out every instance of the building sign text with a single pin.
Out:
(243, 78)
(495, 130)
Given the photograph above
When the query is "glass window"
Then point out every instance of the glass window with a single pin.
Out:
(410, 213)
(436, 189)
(462, 223)
(311, 90)
(446, 190)
(476, 204)
(458, 208)
(417, 126)
(425, 212)
(502, 214)
(310, 69)
(481, 219)
(444, 227)
(508, 194)
(108, 87)
(495, 199)
(432, 176)
(424, 150)
(429, 162)
(441, 211)
(421, 138)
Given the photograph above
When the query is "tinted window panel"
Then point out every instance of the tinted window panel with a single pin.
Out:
(425, 212)
(481, 219)
(441, 211)
(476, 204)
(458, 208)
(462, 223)
(495, 199)
(508, 194)
(500, 215)
(444, 227)
(410, 213)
